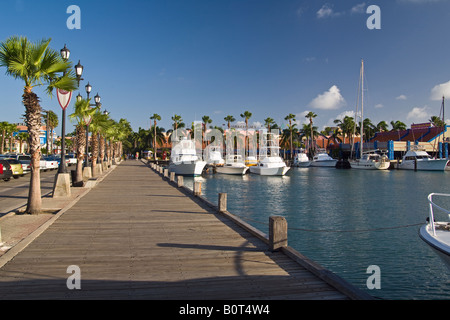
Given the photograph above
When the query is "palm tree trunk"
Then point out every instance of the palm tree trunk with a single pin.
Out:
(33, 120)
(94, 141)
(81, 145)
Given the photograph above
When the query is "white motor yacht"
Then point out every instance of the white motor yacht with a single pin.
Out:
(234, 164)
(437, 234)
(184, 160)
(301, 160)
(322, 159)
(418, 159)
(214, 155)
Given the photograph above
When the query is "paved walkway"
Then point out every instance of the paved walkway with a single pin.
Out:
(134, 236)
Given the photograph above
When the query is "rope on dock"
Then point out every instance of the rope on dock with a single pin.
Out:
(340, 231)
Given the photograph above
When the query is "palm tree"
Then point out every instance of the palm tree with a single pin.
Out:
(246, 115)
(382, 126)
(9, 132)
(311, 115)
(51, 122)
(229, 119)
(206, 120)
(398, 126)
(22, 136)
(99, 124)
(437, 121)
(3, 126)
(81, 111)
(155, 117)
(269, 123)
(347, 126)
(291, 117)
(177, 122)
(36, 64)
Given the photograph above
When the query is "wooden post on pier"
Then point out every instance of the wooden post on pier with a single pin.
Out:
(197, 188)
(180, 181)
(172, 176)
(166, 173)
(277, 233)
(222, 202)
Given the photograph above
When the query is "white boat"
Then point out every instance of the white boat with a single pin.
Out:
(184, 160)
(270, 162)
(322, 159)
(301, 160)
(251, 161)
(371, 161)
(418, 159)
(234, 164)
(437, 234)
(213, 155)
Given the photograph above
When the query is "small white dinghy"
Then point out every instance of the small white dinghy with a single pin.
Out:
(437, 233)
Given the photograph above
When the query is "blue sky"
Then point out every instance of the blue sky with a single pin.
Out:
(223, 57)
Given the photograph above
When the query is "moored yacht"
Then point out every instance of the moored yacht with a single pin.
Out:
(371, 161)
(270, 162)
(301, 160)
(437, 234)
(234, 164)
(418, 159)
(184, 160)
(322, 159)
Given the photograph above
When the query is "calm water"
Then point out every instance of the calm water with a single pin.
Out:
(341, 200)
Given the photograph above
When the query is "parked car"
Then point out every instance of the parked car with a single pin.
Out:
(5, 170)
(25, 160)
(16, 167)
(72, 158)
(48, 163)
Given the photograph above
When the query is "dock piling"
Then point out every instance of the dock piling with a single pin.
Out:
(277, 233)
(172, 177)
(222, 202)
(197, 188)
(180, 181)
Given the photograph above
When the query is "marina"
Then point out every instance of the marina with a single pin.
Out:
(348, 220)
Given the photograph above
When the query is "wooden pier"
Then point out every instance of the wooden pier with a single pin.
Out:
(136, 235)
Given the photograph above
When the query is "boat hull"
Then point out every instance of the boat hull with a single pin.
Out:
(269, 171)
(426, 165)
(381, 165)
(232, 170)
(441, 248)
(187, 168)
(302, 164)
(324, 163)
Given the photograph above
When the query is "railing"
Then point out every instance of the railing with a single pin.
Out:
(432, 204)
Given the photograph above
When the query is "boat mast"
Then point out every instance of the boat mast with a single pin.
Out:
(362, 110)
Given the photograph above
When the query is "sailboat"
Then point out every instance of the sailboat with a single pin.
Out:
(370, 160)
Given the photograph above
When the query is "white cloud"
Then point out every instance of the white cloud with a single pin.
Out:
(327, 11)
(359, 8)
(401, 97)
(440, 90)
(417, 115)
(329, 100)
(379, 106)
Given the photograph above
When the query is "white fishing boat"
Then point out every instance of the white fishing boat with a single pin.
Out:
(214, 155)
(322, 159)
(371, 161)
(270, 162)
(184, 160)
(437, 233)
(234, 164)
(301, 160)
(418, 159)
(251, 161)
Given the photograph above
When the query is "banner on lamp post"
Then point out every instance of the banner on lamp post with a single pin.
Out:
(64, 98)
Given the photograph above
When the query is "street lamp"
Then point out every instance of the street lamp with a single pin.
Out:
(88, 119)
(65, 54)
